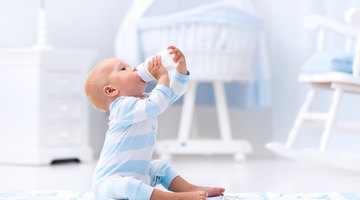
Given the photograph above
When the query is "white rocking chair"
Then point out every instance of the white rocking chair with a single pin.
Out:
(218, 49)
(337, 82)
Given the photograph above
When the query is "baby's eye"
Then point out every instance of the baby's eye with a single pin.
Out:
(123, 68)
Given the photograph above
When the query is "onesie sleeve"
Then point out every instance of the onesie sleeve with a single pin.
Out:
(178, 85)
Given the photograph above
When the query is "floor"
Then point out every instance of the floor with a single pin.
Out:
(256, 175)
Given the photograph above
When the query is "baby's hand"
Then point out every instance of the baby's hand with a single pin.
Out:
(158, 70)
(179, 58)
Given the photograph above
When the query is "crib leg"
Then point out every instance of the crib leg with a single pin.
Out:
(186, 146)
(187, 113)
(222, 111)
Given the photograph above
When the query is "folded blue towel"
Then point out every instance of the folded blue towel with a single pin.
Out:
(321, 62)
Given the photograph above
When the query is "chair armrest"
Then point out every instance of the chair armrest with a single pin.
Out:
(318, 21)
(352, 16)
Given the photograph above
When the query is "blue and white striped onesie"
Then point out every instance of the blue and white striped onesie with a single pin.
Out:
(125, 169)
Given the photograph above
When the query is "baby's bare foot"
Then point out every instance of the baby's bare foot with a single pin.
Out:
(195, 195)
(163, 195)
(211, 191)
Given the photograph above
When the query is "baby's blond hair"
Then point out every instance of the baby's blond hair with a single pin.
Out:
(94, 84)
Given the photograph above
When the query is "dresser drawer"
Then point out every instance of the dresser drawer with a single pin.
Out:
(62, 110)
(62, 135)
(62, 84)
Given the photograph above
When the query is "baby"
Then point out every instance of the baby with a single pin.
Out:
(125, 169)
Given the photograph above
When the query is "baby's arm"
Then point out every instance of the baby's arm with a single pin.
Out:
(132, 109)
(163, 95)
(178, 83)
(180, 77)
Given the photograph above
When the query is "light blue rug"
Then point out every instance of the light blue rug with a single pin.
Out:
(68, 195)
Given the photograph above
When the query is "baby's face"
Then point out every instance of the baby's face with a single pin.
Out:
(125, 79)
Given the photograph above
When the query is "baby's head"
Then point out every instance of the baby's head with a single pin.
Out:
(110, 79)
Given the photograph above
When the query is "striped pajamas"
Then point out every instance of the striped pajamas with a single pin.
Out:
(125, 169)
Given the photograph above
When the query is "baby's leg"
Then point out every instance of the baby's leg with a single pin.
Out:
(121, 187)
(181, 185)
(162, 195)
(162, 173)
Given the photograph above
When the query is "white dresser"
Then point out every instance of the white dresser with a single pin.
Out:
(43, 110)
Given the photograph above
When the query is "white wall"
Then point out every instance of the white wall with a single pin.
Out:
(92, 24)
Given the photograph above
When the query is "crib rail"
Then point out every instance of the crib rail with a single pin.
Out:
(218, 49)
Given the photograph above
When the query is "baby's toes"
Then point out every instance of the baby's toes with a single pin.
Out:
(203, 195)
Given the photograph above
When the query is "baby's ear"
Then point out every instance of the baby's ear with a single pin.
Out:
(110, 91)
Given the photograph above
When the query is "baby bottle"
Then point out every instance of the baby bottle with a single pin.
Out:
(166, 59)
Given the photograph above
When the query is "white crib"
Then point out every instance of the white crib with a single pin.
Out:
(218, 41)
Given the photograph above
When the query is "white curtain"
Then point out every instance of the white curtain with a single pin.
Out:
(126, 42)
